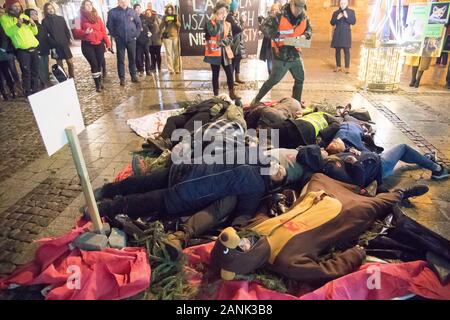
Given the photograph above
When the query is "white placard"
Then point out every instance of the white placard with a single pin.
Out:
(55, 109)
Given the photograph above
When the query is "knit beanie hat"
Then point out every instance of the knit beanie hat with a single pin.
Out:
(8, 4)
(234, 5)
(220, 5)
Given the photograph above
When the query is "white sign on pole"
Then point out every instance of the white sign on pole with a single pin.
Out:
(55, 109)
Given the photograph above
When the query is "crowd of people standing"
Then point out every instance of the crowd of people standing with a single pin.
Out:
(142, 32)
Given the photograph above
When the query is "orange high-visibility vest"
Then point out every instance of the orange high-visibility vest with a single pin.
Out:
(287, 30)
(212, 46)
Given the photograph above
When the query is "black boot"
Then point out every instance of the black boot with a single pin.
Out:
(414, 191)
(101, 82)
(419, 77)
(216, 92)
(12, 91)
(5, 96)
(414, 75)
(98, 87)
(160, 143)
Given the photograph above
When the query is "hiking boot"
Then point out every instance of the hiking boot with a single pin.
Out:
(160, 143)
(99, 194)
(238, 79)
(414, 191)
(233, 95)
(122, 82)
(175, 242)
(440, 175)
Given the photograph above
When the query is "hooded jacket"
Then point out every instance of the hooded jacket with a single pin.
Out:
(366, 169)
(294, 244)
(22, 38)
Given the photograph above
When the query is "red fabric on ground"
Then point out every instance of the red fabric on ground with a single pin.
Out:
(103, 275)
(395, 280)
(125, 173)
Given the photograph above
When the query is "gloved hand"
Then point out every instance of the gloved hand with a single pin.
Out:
(307, 35)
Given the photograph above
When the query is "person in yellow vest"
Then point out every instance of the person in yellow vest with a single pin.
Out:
(292, 22)
(314, 128)
(22, 31)
(218, 40)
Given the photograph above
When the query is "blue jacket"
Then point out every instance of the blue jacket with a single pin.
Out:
(124, 23)
(195, 186)
(352, 135)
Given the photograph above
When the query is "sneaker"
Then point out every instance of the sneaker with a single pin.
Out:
(122, 82)
(440, 175)
(98, 194)
(430, 156)
(415, 191)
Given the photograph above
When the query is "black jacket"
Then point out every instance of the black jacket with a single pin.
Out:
(42, 36)
(342, 34)
(143, 38)
(56, 27)
(366, 169)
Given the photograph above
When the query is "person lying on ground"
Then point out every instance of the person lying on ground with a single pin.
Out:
(352, 135)
(204, 112)
(361, 168)
(306, 130)
(287, 108)
(183, 189)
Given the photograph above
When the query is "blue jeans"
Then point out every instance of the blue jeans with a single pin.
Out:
(130, 46)
(405, 153)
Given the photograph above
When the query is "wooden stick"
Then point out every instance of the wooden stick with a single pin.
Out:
(84, 178)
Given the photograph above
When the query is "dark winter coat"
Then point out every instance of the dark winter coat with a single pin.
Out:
(143, 39)
(155, 29)
(124, 24)
(59, 36)
(42, 36)
(352, 136)
(237, 29)
(342, 34)
(195, 186)
(366, 169)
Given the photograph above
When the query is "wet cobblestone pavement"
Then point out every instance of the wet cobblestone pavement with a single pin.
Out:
(40, 196)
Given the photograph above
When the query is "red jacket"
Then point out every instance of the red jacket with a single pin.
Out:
(96, 36)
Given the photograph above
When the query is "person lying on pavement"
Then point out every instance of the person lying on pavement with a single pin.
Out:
(361, 168)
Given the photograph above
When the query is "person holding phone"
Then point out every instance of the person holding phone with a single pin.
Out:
(170, 29)
(22, 31)
(92, 33)
(342, 20)
(218, 52)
